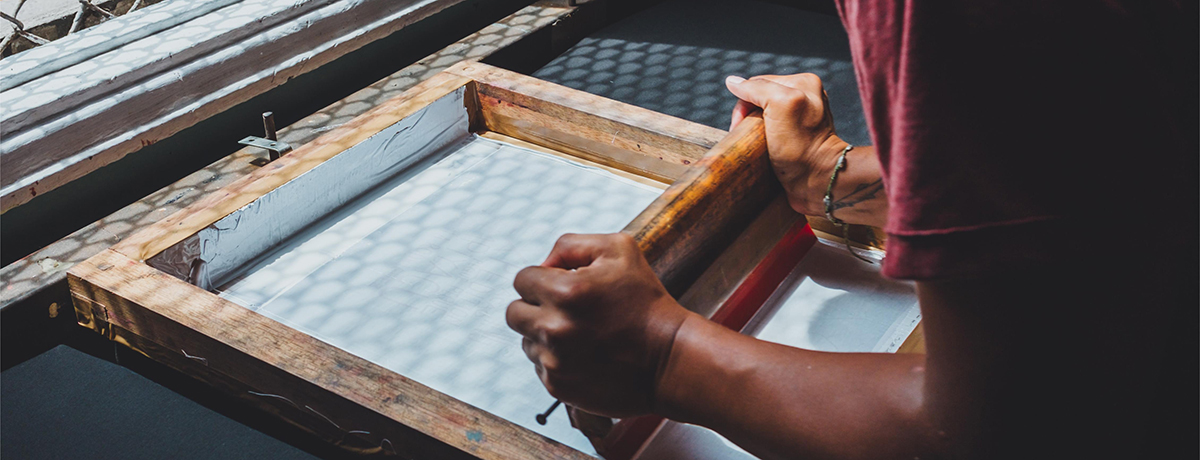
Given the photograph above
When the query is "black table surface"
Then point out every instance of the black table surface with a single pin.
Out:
(66, 404)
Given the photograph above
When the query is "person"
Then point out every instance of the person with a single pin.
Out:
(1035, 170)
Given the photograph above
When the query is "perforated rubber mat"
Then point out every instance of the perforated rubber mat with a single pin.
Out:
(673, 58)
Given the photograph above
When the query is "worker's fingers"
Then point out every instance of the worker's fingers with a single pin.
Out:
(806, 82)
(538, 285)
(573, 251)
(522, 317)
(547, 326)
(540, 355)
(765, 93)
(740, 111)
(554, 381)
(532, 350)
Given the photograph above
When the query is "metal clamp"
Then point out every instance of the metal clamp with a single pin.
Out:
(270, 143)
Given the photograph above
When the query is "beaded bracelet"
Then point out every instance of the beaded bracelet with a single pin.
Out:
(841, 164)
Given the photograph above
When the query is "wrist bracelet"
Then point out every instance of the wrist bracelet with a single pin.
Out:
(841, 164)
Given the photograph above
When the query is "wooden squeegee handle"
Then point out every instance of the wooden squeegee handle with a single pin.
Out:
(688, 226)
(684, 231)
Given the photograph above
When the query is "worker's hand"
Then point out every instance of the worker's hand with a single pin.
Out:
(597, 322)
(800, 137)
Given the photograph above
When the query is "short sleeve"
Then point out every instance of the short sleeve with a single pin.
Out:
(1004, 131)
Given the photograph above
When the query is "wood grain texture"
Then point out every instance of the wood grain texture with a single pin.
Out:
(608, 132)
(321, 414)
(574, 159)
(171, 230)
(129, 301)
(683, 231)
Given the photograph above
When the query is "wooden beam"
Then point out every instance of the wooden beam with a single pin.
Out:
(595, 128)
(131, 302)
(684, 230)
(187, 222)
(83, 133)
(641, 179)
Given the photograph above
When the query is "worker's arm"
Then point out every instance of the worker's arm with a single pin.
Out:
(1017, 364)
(804, 148)
(990, 386)
(783, 402)
(605, 336)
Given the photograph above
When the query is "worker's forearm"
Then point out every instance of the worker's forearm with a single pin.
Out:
(782, 402)
(858, 193)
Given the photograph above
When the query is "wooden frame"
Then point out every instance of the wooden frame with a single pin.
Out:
(38, 282)
(721, 186)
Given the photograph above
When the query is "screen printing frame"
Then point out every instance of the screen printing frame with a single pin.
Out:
(723, 204)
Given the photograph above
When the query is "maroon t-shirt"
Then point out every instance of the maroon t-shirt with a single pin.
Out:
(1013, 132)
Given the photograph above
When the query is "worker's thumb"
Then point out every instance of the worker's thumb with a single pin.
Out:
(759, 91)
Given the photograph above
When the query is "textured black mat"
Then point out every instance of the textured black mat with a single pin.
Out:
(673, 58)
(65, 404)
